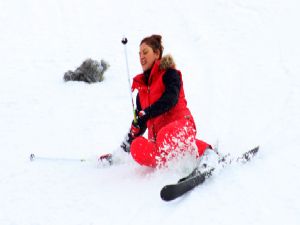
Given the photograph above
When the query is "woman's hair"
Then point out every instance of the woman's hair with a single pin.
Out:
(154, 41)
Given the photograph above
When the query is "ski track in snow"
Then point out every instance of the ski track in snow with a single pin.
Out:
(240, 65)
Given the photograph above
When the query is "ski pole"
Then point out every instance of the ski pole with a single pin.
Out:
(124, 42)
(33, 157)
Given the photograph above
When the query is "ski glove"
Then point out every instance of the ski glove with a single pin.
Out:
(134, 130)
(140, 122)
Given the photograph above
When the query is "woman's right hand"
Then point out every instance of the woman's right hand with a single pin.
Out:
(135, 129)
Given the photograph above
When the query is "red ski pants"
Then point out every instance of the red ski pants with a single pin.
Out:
(174, 139)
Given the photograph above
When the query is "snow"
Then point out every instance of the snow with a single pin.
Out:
(240, 62)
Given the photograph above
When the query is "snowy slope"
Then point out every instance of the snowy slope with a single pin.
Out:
(240, 62)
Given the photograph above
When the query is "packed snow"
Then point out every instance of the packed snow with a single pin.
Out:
(241, 72)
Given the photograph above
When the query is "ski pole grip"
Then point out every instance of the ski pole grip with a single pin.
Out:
(134, 117)
(124, 40)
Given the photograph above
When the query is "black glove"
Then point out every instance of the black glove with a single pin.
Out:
(137, 128)
(125, 145)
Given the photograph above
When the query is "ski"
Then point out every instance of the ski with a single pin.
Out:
(173, 191)
(245, 157)
(197, 177)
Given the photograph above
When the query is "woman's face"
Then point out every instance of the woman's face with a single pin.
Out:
(147, 56)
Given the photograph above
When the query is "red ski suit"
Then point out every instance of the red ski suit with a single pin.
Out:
(170, 133)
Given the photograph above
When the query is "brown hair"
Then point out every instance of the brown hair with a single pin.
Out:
(154, 41)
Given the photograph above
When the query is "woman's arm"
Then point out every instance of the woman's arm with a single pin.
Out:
(170, 96)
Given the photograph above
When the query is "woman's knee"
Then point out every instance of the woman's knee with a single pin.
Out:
(143, 152)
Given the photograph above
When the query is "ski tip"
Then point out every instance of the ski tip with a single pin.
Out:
(166, 194)
(255, 150)
(247, 156)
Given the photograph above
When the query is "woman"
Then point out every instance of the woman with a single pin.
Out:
(162, 109)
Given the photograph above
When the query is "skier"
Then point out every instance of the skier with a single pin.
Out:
(162, 109)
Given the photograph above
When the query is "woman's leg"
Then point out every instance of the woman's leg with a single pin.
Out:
(172, 140)
(143, 151)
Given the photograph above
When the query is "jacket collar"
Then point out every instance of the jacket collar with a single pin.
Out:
(164, 63)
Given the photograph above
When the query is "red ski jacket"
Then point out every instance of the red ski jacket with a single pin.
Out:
(150, 92)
